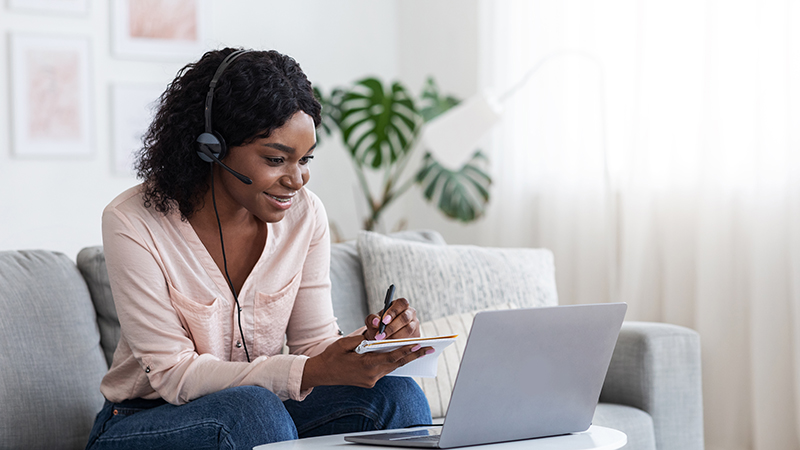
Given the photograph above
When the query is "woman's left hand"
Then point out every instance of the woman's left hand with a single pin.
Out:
(400, 320)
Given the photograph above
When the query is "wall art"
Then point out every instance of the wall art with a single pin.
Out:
(51, 96)
(160, 29)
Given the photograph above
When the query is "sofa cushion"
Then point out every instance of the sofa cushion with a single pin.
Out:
(635, 423)
(51, 357)
(347, 279)
(438, 389)
(443, 280)
(92, 264)
(656, 367)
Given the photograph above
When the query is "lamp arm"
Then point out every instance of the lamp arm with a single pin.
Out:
(524, 80)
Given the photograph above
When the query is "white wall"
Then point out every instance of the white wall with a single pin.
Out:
(56, 204)
(439, 39)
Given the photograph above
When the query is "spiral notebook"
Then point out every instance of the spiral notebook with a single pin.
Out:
(424, 367)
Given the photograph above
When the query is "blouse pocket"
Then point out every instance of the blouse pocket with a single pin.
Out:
(204, 321)
(272, 314)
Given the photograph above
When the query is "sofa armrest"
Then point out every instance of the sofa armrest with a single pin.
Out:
(656, 368)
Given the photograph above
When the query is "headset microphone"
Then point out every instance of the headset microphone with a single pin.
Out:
(206, 145)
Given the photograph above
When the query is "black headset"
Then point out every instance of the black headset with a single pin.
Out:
(212, 149)
(212, 146)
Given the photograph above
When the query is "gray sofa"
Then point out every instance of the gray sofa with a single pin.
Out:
(58, 331)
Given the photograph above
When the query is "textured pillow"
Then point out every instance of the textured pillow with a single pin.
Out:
(91, 262)
(347, 279)
(452, 279)
(438, 389)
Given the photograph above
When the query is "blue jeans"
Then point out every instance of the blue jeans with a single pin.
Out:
(247, 416)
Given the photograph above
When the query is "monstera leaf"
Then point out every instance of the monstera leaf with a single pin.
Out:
(378, 125)
(460, 194)
(434, 103)
(331, 111)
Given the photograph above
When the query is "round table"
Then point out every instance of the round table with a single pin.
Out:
(595, 438)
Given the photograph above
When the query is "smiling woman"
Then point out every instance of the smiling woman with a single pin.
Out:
(277, 165)
(219, 257)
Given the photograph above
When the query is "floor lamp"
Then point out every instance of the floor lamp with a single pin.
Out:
(452, 136)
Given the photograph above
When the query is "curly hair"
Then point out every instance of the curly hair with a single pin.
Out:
(256, 94)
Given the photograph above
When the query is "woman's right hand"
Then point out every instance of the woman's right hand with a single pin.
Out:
(339, 364)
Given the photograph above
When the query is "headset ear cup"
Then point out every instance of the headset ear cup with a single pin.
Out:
(223, 147)
(210, 148)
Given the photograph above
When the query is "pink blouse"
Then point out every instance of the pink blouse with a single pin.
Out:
(179, 330)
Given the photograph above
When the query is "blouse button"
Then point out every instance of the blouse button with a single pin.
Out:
(238, 344)
(147, 369)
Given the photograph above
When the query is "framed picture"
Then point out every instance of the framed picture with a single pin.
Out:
(165, 29)
(50, 6)
(51, 96)
(132, 111)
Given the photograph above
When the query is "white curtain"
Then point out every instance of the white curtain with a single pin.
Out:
(656, 151)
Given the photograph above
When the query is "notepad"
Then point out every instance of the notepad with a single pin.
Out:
(424, 367)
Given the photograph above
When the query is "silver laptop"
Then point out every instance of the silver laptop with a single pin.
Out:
(525, 373)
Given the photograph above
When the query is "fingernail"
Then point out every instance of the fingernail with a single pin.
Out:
(416, 347)
(380, 336)
(375, 322)
(386, 319)
(429, 351)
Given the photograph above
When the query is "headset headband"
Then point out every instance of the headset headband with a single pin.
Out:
(210, 96)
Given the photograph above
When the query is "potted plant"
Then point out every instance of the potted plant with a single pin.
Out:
(380, 126)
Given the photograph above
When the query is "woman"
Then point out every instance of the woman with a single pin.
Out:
(221, 254)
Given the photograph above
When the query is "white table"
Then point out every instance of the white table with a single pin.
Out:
(595, 438)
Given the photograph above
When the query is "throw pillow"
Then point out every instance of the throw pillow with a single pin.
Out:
(347, 279)
(438, 389)
(452, 279)
(91, 261)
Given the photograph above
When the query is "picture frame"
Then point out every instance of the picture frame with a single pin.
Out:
(159, 29)
(72, 7)
(51, 96)
(133, 108)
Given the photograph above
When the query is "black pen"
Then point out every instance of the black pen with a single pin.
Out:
(386, 303)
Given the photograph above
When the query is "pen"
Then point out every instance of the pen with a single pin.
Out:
(386, 302)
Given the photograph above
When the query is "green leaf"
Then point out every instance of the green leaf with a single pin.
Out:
(433, 103)
(378, 124)
(331, 112)
(461, 194)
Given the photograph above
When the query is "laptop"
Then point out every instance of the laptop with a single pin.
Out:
(525, 373)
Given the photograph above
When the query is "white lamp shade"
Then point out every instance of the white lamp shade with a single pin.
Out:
(453, 136)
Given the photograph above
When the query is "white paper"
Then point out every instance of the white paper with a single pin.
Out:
(424, 367)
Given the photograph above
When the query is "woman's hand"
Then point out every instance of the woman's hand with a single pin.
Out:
(339, 364)
(400, 320)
